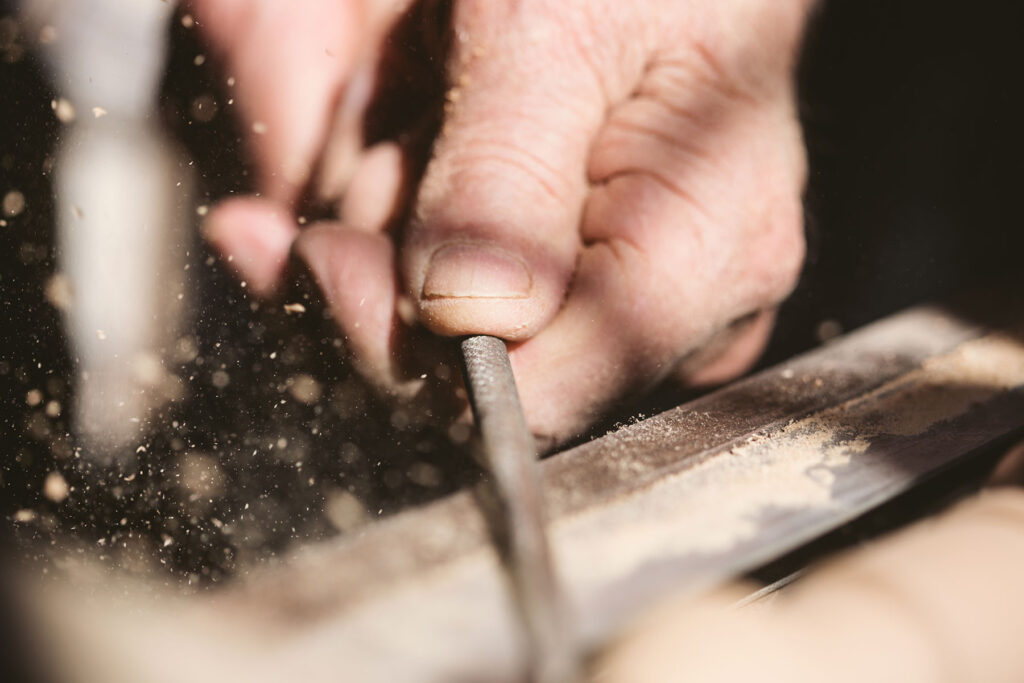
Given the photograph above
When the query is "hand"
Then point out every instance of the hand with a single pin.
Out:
(301, 73)
(939, 601)
(614, 187)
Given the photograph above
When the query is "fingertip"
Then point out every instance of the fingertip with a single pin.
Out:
(470, 287)
(254, 237)
(375, 193)
(486, 281)
(355, 271)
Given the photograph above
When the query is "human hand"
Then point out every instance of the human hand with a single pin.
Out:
(938, 601)
(613, 188)
(301, 75)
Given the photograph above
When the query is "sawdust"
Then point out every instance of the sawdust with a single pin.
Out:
(13, 203)
(55, 487)
(945, 386)
(716, 505)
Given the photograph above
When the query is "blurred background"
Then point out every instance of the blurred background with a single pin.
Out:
(258, 435)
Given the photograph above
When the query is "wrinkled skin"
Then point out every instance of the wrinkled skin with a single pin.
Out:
(615, 188)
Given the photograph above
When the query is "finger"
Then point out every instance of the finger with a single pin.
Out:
(356, 272)
(637, 306)
(694, 222)
(344, 143)
(680, 244)
(253, 236)
(394, 85)
(288, 63)
(493, 241)
(375, 193)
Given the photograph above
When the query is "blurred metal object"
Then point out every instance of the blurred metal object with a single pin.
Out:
(123, 196)
(515, 507)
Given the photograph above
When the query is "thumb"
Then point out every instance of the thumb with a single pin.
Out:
(494, 235)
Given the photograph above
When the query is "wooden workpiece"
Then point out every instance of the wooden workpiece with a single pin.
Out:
(688, 498)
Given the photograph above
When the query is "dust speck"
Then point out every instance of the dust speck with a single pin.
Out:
(345, 511)
(305, 389)
(55, 487)
(64, 110)
(13, 203)
(220, 379)
(58, 291)
(24, 516)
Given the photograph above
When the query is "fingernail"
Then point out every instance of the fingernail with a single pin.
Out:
(476, 271)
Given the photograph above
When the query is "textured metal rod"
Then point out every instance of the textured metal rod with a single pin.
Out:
(517, 511)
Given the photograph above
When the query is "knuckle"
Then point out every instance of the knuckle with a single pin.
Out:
(513, 167)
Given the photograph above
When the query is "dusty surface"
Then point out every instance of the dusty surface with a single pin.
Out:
(419, 596)
(721, 503)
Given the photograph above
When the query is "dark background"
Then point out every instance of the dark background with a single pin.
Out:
(912, 115)
(912, 118)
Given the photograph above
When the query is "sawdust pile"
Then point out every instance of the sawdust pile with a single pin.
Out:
(717, 505)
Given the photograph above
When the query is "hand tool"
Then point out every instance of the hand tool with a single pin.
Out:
(508, 451)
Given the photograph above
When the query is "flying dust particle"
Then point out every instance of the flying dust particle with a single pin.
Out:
(201, 474)
(98, 112)
(828, 329)
(58, 291)
(406, 310)
(147, 368)
(24, 516)
(13, 204)
(344, 511)
(203, 108)
(55, 487)
(305, 389)
(424, 474)
(294, 308)
(460, 432)
(64, 110)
